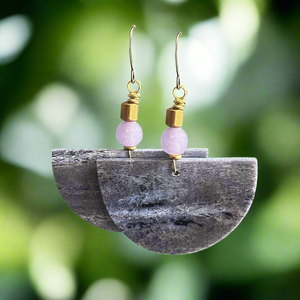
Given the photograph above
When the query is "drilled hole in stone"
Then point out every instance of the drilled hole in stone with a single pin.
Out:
(177, 173)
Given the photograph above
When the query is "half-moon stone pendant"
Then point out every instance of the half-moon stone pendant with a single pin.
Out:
(142, 198)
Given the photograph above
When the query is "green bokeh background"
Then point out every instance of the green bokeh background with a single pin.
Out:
(63, 73)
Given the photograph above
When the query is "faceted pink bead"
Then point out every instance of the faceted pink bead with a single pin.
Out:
(129, 134)
(174, 141)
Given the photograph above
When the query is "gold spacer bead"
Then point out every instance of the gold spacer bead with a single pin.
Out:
(129, 111)
(129, 148)
(174, 117)
(175, 156)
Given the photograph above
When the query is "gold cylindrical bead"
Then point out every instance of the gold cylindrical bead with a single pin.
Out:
(129, 112)
(174, 117)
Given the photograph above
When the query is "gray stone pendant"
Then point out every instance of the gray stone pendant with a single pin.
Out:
(143, 199)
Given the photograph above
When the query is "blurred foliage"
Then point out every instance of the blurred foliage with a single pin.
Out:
(63, 73)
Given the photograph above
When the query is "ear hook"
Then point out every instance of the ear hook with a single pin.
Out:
(130, 54)
(176, 61)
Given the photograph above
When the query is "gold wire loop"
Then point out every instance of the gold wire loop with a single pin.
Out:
(179, 102)
(134, 81)
(178, 88)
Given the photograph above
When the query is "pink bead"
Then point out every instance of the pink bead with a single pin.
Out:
(129, 134)
(174, 141)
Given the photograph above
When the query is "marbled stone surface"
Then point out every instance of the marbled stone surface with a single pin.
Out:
(75, 173)
(176, 214)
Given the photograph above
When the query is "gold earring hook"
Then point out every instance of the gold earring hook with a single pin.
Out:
(130, 54)
(176, 61)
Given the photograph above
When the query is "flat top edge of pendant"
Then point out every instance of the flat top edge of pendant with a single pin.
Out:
(121, 153)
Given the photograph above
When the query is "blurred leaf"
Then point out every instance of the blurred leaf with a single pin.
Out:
(177, 279)
(16, 231)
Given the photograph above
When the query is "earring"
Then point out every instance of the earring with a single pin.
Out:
(129, 133)
(174, 139)
(160, 213)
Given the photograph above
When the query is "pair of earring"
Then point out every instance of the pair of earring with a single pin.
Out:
(129, 133)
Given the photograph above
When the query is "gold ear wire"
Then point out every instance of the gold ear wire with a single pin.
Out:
(130, 54)
(176, 60)
(174, 117)
(129, 109)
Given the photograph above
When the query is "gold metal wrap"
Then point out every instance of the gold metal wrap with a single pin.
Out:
(134, 96)
(174, 116)
(129, 109)
(179, 102)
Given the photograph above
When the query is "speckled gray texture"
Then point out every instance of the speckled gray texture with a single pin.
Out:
(75, 173)
(161, 212)
(177, 214)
